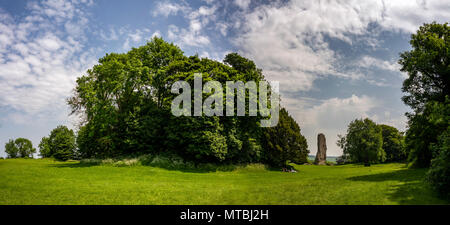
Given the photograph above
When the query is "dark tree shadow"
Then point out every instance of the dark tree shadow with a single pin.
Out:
(201, 168)
(413, 191)
(74, 165)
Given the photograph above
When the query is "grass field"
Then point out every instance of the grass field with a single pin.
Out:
(43, 181)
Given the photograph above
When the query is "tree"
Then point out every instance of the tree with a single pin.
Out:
(427, 86)
(427, 65)
(126, 102)
(284, 142)
(25, 147)
(60, 145)
(439, 173)
(19, 148)
(393, 144)
(44, 148)
(363, 142)
(423, 131)
(11, 149)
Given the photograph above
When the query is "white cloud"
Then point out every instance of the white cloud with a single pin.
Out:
(370, 62)
(330, 117)
(193, 35)
(166, 9)
(110, 35)
(407, 16)
(287, 39)
(156, 34)
(41, 62)
(222, 27)
(243, 4)
(135, 37)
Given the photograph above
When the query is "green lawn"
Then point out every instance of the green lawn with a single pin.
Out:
(43, 181)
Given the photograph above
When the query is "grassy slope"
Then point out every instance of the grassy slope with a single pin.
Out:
(48, 182)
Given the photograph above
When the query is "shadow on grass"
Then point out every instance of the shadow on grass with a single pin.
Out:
(74, 165)
(414, 189)
(200, 168)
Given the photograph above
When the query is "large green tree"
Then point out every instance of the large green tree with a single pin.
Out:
(284, 143)
(428, 83)
(439, 173)
(363, 142)
(60, 144)
(427, 66)
(20, 148)
(11, 149)
(393, 144)
(44, 148)
(126, 99)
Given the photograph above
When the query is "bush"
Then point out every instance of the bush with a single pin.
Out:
(59, 145)
(344, 159)
(439, 174)
(164, 160)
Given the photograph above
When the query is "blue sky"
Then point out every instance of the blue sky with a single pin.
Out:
(335, 60)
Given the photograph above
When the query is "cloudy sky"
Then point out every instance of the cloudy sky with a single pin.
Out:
(335, 60)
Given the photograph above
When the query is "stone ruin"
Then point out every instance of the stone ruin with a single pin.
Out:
(321, 156)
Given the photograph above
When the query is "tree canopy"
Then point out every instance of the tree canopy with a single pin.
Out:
(363, 142)
(125, 102)
(427, 66)
(284, 142)
(426, 89)
(19, 148)
(60, 144)
(393, 143)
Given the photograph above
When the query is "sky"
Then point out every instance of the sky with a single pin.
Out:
(336, 61)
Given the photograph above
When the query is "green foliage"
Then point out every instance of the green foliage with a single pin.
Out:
(59, 145)
(439, 173)
(427, 65)
(423, 130)
(11, 149)
(126, 100)
(44, 148)
(427, 90)
(363, 142)
(284, 142)
(19, 148)
(393, 144)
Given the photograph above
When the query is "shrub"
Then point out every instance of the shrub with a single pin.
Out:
(344, 159)
(60, 144)
(439, 174)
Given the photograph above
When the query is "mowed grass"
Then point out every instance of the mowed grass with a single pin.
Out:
(44, 181)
